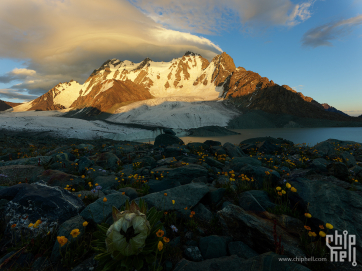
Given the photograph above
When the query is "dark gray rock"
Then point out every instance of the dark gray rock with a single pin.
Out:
(213, 162)
(214, 246)
(202, 179)
(210, 143)
(54, 205)
(268, 147)
(124, 149)
(129, 192)
(197, 146)
(348, 159)
(259, 175)
(146, 161)
(173, 151)
(248, 148)
(211, 131)
(161, 185)
(265, 262)
(272, 140)
(239, 162)
(232, 150)
(325, 148)
(100, 211)
(221, 180)
(27, 161)
(185, 174)
(85, 146)
(107, 182)
(218, 150)
(166, 139)
(190, 160)
(84, 163)
(356, 171)
(215, 195)
(203, 213)
(347, 204)
(107, 160)
(175, 242)
(184, 195)
(169, 131)
(241, 250)
(59, 178)
(193, 254)
(242, 226)
(64, 230)
(339, 170)
(318, 167)
(256, 201)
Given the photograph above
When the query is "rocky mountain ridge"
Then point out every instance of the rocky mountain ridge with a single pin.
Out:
(329, 108)
(7, 105)
(117, 82)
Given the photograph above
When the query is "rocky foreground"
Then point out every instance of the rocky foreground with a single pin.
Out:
(235, 207)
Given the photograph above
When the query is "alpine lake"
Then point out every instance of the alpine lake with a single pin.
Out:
(309, 136)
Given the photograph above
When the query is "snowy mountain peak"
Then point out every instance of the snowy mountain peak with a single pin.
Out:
(189, 75)
(191, 53)
(143, 63)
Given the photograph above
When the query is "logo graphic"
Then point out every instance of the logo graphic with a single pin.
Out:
(339, 253)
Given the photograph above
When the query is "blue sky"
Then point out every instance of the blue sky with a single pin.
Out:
(313, 46)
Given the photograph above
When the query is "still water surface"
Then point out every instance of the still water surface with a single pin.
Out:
(310, 136)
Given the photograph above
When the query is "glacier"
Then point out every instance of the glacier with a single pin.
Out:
(179, 113)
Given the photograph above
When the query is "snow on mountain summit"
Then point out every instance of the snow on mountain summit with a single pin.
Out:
(59, 97)
(190, 75)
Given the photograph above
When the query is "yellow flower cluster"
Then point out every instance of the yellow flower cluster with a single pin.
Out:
(62, 240)
(321, 233)
(283, 192)
(160, 233)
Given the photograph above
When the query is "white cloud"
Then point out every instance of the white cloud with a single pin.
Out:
(64, 40)
(25, 72)
(6, 94)
(300, 13)
(324, 34)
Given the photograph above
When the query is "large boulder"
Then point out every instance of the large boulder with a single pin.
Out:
(100, 211)
(341, 207)
(232, 150)
(237, 163)
(185, 174)
(259, 175)
(251, 229)
(338, 170)
(19, 173)
(348, 159)
(173, 151)
(31, 202)
(187, 195)
(59, 178)
(169, 131)
(106, 160)
(167, 139)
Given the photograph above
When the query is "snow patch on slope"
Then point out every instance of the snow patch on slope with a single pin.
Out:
(21, 107)
(67, 93)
